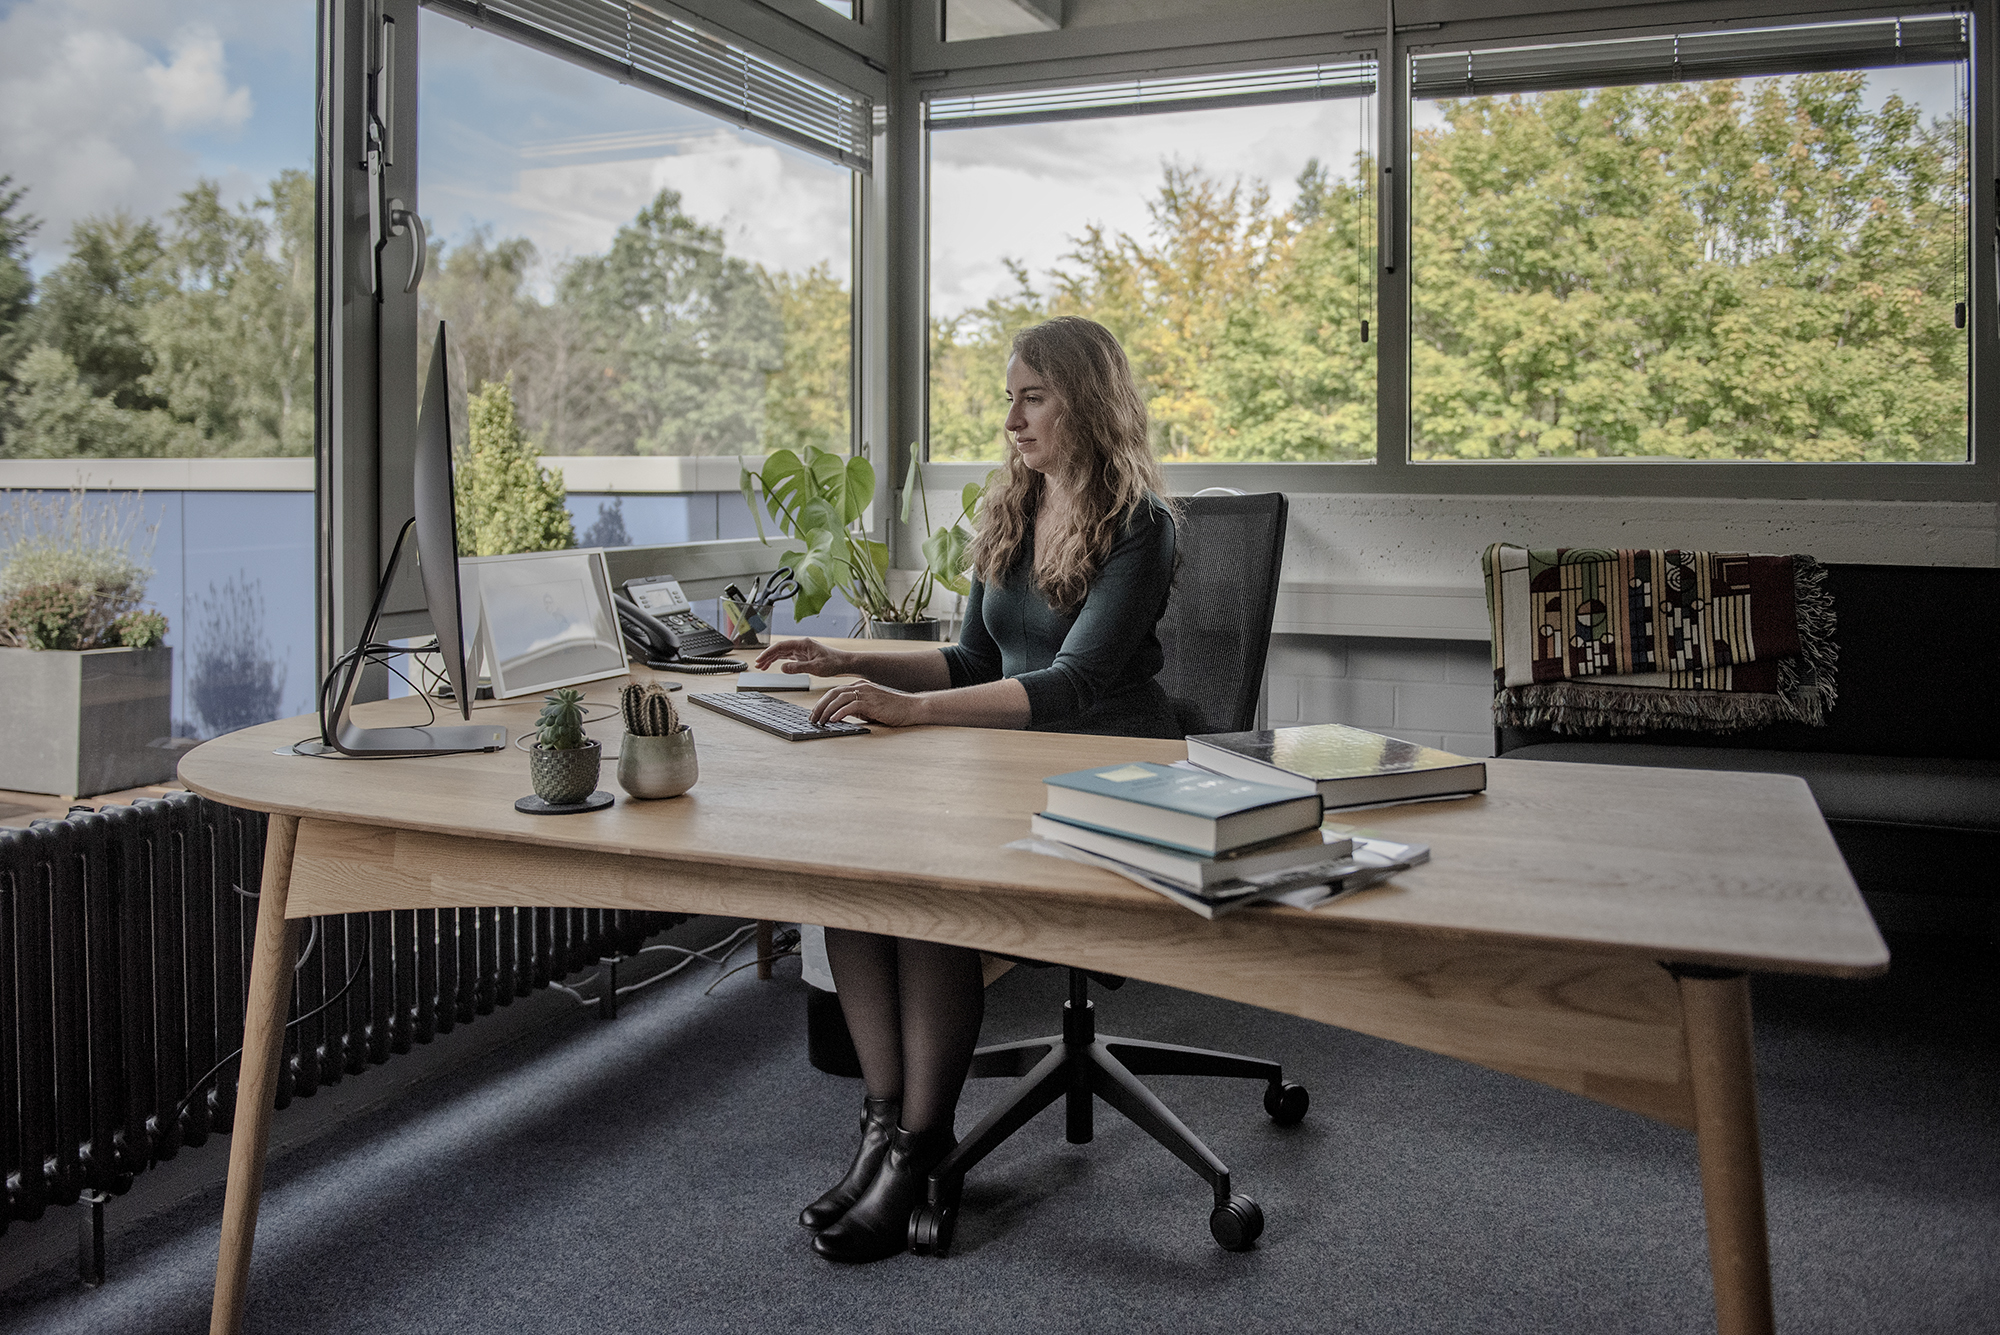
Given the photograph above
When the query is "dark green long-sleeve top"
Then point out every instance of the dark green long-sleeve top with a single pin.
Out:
(1092, 670)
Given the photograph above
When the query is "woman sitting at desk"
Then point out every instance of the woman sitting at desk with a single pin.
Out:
(1072, 561)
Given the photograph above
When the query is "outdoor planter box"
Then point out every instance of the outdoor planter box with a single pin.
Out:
(81, 722)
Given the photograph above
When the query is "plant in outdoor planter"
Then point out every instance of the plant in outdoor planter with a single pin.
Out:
(656, 757)
(85, 679)
(563, 762)
(818, 499)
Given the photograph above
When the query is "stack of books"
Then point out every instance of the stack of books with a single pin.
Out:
(1207, 841)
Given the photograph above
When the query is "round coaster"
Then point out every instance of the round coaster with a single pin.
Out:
(534, 806)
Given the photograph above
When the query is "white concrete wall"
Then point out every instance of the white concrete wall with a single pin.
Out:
(1433, 692)
(1435, 541)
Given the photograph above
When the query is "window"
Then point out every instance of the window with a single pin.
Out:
(615, 260)
(1222, 226)
(1733, 245)
(156, 232)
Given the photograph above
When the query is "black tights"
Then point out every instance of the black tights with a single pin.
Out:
(914, 1009)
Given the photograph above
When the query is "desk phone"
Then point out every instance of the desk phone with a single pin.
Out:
(661, 596)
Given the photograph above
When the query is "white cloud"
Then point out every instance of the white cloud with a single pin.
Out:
(90, 113)
(193, 93)
(774, 207)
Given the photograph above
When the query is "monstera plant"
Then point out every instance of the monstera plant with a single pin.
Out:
(817, 500)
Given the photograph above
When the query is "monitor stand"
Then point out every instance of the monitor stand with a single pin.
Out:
(345, 737)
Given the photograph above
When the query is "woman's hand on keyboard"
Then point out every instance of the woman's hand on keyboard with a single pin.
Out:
(875, 703)
(805, 656)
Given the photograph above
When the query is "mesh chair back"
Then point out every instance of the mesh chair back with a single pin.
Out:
(1217, 628)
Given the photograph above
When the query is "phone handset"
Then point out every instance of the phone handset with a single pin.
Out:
(653, 641)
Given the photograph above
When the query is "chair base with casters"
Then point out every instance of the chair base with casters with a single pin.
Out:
(1080, 1065)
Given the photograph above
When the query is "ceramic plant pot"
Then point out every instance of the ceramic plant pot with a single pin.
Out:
(926, 629)
(564, 778)
(657, 766)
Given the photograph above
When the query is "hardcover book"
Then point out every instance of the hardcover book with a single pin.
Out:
(1183, 808)
(1346, 766)
(1308, 848)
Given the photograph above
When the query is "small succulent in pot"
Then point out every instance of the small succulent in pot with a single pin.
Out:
(563, 762)
(656, 757)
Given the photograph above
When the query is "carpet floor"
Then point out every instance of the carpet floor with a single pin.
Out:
(643, 1174)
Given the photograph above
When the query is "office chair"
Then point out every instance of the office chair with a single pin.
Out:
(1216, 631)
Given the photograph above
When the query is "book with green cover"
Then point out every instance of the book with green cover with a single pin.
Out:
(1304, 849)
(1346, 766)
(1182, 808)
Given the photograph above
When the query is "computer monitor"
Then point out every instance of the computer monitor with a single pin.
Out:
(436, 525)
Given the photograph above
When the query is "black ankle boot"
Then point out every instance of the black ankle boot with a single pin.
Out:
(878, 1120)
(878, 1225)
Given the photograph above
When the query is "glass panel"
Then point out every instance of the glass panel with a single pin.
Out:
(156, 231)
(1232, 251)
(617, 260)
(1769, 268)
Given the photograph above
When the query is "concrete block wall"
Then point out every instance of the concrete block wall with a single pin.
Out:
(1432, 692)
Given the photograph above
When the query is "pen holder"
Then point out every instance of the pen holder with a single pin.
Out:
(742, 623)
(657, 766)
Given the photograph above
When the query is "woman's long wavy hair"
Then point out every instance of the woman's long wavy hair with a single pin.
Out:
(1105, 456)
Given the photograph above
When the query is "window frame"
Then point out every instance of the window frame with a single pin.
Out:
(1190, 47)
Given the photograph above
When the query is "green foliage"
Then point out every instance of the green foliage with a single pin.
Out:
(195, 339)
(55, 416)
(49, 616)
(947, 551)
(817, 498)
(559, 727)
(649, 710)
(141, 630)
(1738, 270)
(507, 502)
(72, 541)
(1724, 270)
(69, 578)
(806, 397)
(684, 334)
(17, 285)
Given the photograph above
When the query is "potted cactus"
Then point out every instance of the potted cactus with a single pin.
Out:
(563, 762)
(85, 676)
(656, 757)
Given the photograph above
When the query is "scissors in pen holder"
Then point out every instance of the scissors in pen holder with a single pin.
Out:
(773, 589)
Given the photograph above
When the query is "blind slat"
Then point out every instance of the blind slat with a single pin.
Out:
(1129, 97)
(638, 45)
(1681, 57)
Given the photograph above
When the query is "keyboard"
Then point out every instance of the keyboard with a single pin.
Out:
(782, 717)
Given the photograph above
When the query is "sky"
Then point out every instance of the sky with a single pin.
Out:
(122, 104)
(1022, 192)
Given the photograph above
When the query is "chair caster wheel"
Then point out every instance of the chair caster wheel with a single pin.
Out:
(1237, 1224)
(930, 1230)
(1287, 1103)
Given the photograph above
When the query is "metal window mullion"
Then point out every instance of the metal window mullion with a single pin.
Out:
(1392, 248)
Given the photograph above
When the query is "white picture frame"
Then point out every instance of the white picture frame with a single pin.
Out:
(545, 620)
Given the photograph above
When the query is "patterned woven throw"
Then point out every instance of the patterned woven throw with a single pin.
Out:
(1587, 640)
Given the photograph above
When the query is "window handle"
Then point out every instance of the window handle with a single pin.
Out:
(404, 219)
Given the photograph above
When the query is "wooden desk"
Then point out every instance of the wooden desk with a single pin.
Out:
(1532, 943)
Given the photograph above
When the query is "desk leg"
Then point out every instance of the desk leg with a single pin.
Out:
(263, 1046)
(1722, 1070)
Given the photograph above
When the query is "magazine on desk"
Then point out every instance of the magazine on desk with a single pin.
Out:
(1368, 861)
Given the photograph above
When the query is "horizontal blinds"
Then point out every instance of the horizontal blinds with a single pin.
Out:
(1687, 56)
(636, 44)
(1131, 97)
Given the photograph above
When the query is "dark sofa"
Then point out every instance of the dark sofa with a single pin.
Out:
(1907, 768)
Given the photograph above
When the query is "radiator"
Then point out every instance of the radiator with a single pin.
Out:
(125, 939)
